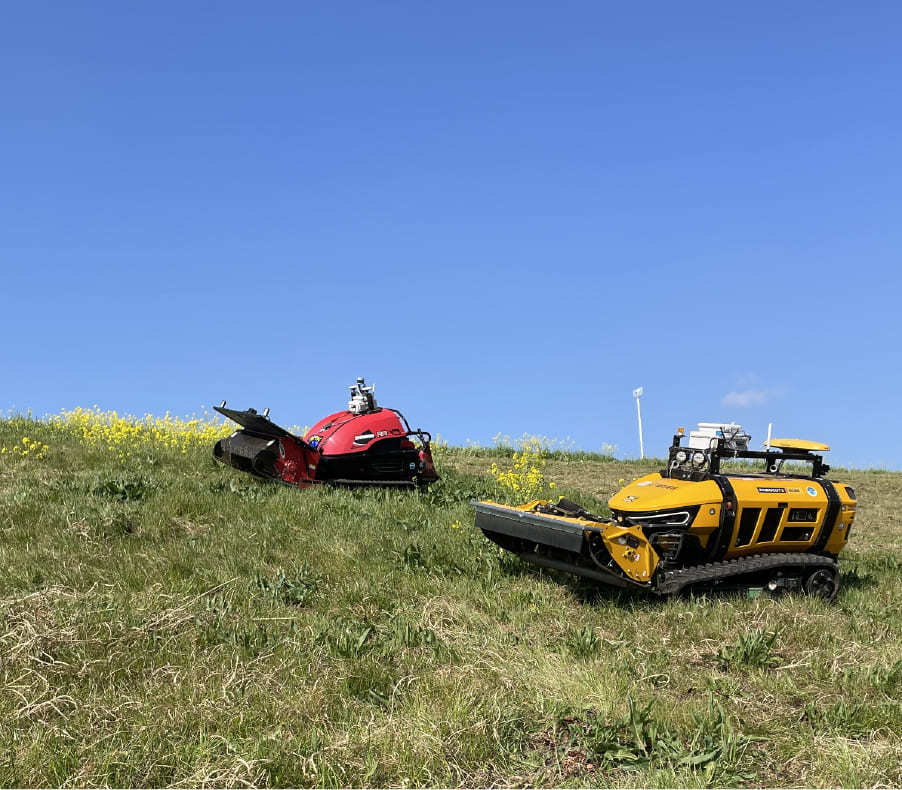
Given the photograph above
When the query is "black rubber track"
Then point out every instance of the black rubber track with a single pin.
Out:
(675, 580)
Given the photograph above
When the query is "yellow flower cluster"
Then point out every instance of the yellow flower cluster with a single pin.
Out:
(439, 446)
(526, 479)
(125, 435)
(28, 447)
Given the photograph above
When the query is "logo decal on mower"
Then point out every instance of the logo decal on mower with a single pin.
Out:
(363, 438)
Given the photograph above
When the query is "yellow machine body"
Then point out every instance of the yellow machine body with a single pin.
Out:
(770, 513)
(717, 514)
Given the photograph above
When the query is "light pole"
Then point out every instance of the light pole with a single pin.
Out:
(637, 394)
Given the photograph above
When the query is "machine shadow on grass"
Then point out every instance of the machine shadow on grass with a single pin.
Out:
(856, 576)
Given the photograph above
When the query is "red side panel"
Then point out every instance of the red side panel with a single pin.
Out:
(428, 472)
(296, 462)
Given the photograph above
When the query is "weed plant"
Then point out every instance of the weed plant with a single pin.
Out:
(168, 621)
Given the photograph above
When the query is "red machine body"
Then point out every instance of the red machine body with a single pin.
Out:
(364, 445)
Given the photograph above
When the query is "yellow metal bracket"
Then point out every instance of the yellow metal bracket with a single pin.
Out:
(631, 551)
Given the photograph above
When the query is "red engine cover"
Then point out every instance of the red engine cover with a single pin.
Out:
(343, 432)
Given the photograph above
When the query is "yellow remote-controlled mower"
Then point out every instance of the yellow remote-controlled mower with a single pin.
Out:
(718, 517)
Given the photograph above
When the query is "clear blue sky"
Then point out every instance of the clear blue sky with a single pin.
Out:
(507, 214)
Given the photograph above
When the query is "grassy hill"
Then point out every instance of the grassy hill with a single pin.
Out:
(169, 621)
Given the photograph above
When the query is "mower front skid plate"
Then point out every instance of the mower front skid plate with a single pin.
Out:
(531, 527)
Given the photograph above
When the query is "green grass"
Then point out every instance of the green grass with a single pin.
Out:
(172, 622)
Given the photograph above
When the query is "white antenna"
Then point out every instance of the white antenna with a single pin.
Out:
(770, 426)
(637, 393)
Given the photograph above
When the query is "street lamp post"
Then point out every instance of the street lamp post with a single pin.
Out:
(637, 394)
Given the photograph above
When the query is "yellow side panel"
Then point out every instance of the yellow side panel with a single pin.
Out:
(840, 534)
(785, 515)
(706, 522)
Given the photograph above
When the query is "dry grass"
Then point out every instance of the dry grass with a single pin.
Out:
(170, 623)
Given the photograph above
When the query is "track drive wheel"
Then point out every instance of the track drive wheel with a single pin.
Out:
(822, 583)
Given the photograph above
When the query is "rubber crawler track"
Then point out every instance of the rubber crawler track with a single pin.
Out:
(675, 580)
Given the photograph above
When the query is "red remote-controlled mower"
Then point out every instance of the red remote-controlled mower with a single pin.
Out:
(365, 445)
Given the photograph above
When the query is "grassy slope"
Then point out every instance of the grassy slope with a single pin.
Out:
(172, 622)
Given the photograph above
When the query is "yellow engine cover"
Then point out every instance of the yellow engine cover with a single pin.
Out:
(770, 513)
(654, 493)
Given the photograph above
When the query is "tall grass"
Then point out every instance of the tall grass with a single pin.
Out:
(169, 621)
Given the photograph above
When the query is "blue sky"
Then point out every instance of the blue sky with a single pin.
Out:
(508, 215)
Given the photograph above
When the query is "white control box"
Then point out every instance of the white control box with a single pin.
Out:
(705, 438)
